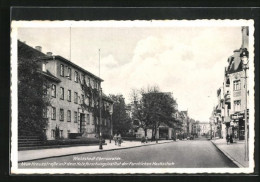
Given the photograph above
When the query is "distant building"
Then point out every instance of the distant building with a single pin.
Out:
(185, 123)
(204, 128)
(195, 128)
(163, 131)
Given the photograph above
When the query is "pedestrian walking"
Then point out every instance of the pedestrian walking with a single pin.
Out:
(143, 139)
(146, 139)
(228, 138)
(119, 139)
(115, 138)
(231, 138)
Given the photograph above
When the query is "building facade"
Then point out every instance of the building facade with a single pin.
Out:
(204, 128)
(74, 96)
(195, 129)
(231, 108)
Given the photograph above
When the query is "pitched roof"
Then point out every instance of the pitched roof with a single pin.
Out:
(105, 97)
(50, 76)
(41, 56)
(234, 62)
(50, 58)
(28, 52)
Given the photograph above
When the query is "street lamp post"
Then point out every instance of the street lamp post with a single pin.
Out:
(244, 58)
(100, 102)
(111, 123)
(100, 120)
(210, 130)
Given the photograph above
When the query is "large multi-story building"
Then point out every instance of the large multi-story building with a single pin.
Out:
(231, 96)
(74, 94)
(204, 128)
(185, 122)
(195, 128)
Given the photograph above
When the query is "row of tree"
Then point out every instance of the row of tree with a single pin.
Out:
(151, 108)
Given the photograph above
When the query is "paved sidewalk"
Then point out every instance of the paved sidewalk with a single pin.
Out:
(27, 155)
(234, 151)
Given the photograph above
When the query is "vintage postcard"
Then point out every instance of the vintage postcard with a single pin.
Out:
(132, 97)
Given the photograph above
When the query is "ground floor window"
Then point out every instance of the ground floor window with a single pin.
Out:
(52, 133)
(75, 117)
(61, 133)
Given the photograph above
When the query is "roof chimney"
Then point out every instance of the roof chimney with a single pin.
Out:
(39, 48)
(49, 53)
(245, 32)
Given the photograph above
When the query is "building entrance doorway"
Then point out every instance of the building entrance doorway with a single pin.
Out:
(82, 123)
(241, 129)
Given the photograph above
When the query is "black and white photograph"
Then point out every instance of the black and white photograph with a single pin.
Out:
(129, 97)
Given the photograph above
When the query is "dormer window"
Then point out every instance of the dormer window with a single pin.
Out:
(76, 76)
(44, 67)
(69, 73)
(61, 70)
(227, 82)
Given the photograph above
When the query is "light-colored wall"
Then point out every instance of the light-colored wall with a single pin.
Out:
(140, 133)
(67, 84)
(204, 128)
(239, 94)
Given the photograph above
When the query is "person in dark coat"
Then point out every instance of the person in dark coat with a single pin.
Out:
(231, 138)
(228, 138)
(115, 138)
(119, 139)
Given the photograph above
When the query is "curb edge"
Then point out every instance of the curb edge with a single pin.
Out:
(228, 156)
(91, 152)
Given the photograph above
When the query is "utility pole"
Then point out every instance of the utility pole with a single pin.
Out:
(244, 56)
(100, 102)
(111, 123)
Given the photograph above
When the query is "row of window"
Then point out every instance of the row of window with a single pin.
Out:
(76, 96)
(62, 116)
(236, 84)
(61, 134)
(77, 78)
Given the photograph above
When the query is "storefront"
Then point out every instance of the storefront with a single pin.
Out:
(238, 126)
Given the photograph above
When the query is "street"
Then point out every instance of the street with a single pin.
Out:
(182, 154)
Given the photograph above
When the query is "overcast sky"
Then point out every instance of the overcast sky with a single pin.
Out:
(187, 61)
